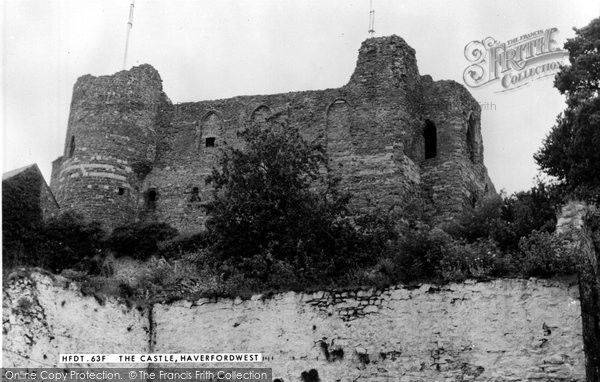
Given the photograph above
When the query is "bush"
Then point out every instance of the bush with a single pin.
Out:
(419, 252)
(544, 255)
(138, 240)
(433, 254)
(69, 241)
(275, 213)
(180, 245)
(480, 222)
(526, 211)
(479, 260)
(506, 219)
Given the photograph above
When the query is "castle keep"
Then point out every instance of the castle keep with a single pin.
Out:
(390, 133)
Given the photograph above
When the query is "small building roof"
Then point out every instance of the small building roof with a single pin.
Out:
(10, 174)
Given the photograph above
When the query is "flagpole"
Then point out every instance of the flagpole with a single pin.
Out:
(129, 26)
(371, 19)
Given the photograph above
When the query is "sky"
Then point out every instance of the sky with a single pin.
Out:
(218, 49)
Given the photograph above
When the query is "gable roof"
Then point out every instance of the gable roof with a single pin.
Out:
(10, 174)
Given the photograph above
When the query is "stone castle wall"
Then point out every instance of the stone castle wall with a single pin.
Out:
(503, 330)
(373, 129)
(110, 144)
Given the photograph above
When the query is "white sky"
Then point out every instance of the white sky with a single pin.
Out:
(217, 49)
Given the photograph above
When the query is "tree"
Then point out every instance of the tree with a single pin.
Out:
(570, 151)
(274, 209)
(527, 211)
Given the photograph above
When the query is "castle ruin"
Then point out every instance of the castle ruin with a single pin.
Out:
(390, 134)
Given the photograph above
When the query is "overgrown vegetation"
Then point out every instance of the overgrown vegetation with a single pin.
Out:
(139, 241)
(278, 222)
(67, 241)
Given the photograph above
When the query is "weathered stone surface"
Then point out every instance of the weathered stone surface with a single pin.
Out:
(45, 315)
(579, 224)
(111, 144)
(373, 129)
(570, 221)
(504, 330)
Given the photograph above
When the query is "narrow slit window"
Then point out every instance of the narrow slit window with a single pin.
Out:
(210, 142)
(151, 199)
(471, 139)
(72, 146)
(430, 136)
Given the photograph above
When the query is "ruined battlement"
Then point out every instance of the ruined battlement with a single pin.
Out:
(390, 133)
(388, 61)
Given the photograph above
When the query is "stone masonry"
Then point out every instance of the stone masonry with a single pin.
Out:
(390, 133)
(502, 330)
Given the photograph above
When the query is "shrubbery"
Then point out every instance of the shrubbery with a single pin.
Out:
(504, 237)
(545, 255)
(506, 219)
(278, 222)
(68, 241)
(139, 241)
(269, 228)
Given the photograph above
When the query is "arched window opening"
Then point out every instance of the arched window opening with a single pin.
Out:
(72, 146)
(430, 135)
(338, 138)
(121, 191)
(471, 139)
(210, 130)
(260, 116)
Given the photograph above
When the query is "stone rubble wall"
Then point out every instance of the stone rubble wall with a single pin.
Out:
(579, 225)
(45, 315)
(502, 330)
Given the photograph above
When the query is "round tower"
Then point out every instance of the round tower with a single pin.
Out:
(386, 65)
(111, 144)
